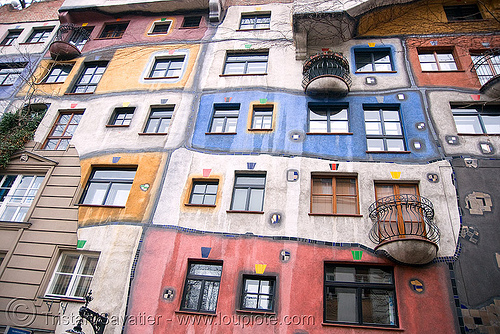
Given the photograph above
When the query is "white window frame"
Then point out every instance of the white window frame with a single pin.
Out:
(20, 202)
(75, 275)
(160, 22)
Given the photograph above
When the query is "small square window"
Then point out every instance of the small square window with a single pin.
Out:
(167, 67)
(334, 195)
(11, 37)
(160, 28)
(159, 120)
(109, 186)
(114, 30)
(328, 118)
(262, 118)
(122, 116)
(63, 131)
(248, 192)
(10, 72)
(462, 13)
(89, 78)
(238, 63)
(39, 35)
(479, 119)
(258, 293)
(225, 118)
(437, 61)
(255, 21)
(73, 275)
(201, 289)
(376, 60)
(58, 74)
(204, 192)
(191, 22)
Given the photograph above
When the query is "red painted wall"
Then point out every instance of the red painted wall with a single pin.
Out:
(462, 46)
(164, 259)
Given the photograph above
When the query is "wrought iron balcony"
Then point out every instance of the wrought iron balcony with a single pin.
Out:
(404, 228)
(68, 42)
(326, 73)
(486, 67)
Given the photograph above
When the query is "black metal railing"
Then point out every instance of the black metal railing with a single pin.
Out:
(485, 65)
(326, 64)
(403, 216)
(72, 34)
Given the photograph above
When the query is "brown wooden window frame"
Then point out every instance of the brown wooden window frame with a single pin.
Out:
(334, 195)
(62, 136)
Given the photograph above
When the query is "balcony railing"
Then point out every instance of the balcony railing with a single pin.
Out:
(487, 68)
(326, 73)
(68, 42)
(401, 217)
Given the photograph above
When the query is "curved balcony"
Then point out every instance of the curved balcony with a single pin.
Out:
(404, 228)
(68, 42)
(486, 68)
(326, 74)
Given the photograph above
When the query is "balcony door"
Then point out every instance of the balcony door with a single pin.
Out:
(401, 216)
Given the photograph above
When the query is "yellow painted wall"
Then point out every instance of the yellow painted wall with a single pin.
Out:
(137, 207)
(427, 17)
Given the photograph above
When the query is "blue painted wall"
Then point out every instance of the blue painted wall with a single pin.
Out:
(291, 115)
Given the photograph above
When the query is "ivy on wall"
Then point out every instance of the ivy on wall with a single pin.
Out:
(16, 129)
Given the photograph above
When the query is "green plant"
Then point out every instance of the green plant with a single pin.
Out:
(16, 129)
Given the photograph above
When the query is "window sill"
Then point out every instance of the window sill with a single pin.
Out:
(116, 126)
(157, 33)
(441, 71)
(336, 214)
(27, 43)
(102, 206)
(375, 72)
(66, 299)
(267, 313)
(392, 152)
(196, 313)
(242, 211)
(78, 93)
(14, 225)
(220, 133)
(189, 27)
(329, 133)
(201, 205)
(161, 78)
(153, 133)
(50, 83)
(478, 134)
(104, 38)
(7, 85)
(242, 75)
(363, 327)
(264, 130)
(258, 29)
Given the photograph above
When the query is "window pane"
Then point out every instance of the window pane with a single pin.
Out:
(318, 126)
(193, 289)
(322, 204)
(259, 67)
(256, 199)
(164, 124)
(96, 193)
(250, 180)
(372, 115)
(467, 124)
(373, 128)
(429, 66)
(378, 307)
(322, 186)
(118, 194)
(346, 186)
(231, 124)
(82, 286)
(375, 144)
(250, 301)
(60, 285)
(395, 145)
(347, 205)
(217, 125)
(341, 305)
(392, 128)
(265, 303)
(205, 270)
(104, 174)
(234, 68)
(239, 199)
(252, 286)
(492, 124)
(210, 293)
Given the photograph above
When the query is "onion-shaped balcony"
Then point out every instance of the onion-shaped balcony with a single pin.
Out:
(487, 68)
(68, 42)
(404, 228)
(326, 74)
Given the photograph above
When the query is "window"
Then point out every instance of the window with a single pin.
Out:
(16, 195)
(487, 67)
(204, 192)
(159, 120)
(10, 72)
(225, 118)
(262, 118)
(437, 61)
(328, 118)
(73, 275)
(39, 35)
(377, 60)
(12, 35)
(255, 21)
(58, 74)
(80, 36)
(333, 194)
(63, 131)
(89, 78)
(462, 13)
(258, 293)
(201, 289)
(167, 68)
(248, 192)
(246, 63)
(383, 128)
(359, 295)
(160, 28)
(478, 119)
(109, 186)
(191, 22)
(403, 218)
(113, 30)
(122, 116)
